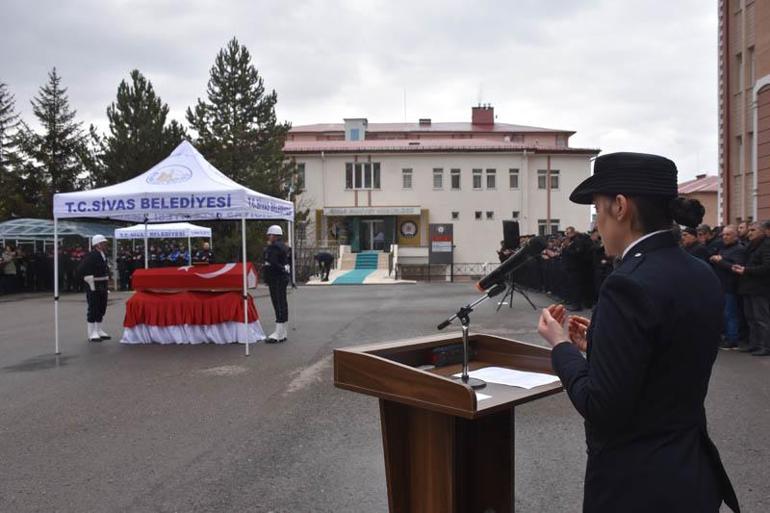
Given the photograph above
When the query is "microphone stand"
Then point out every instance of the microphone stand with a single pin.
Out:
(464, 315)
(511, 287)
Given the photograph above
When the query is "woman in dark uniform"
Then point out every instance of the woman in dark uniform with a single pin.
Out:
(650, 347)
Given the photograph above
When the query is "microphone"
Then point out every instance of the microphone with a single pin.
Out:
(533, 248)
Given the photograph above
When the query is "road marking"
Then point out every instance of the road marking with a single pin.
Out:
(224, 370)
(308, 375)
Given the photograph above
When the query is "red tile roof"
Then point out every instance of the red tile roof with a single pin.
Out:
(433, 127)
(701, 184)
(424, 145)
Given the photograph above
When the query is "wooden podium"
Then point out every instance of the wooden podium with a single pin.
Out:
(445, 452)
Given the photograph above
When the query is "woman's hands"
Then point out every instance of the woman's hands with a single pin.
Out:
(551, 327)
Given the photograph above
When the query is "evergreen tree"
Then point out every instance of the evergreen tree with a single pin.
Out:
(9, 123)
(53, 159)
(139, 137)
(238, 132)
(237, 128)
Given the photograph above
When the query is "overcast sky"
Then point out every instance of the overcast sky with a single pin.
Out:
(634, 75)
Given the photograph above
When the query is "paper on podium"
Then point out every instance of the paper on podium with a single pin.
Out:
(512, 377)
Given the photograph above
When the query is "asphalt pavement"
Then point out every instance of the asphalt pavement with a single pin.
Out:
(115, 428)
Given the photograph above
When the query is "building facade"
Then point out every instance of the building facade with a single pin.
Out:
(373, 185)
(744, 110)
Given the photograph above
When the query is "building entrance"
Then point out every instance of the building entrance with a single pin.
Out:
(372, 235)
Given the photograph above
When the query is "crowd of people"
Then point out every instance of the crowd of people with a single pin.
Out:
(575, 264)
(28, 269)
(572, 268)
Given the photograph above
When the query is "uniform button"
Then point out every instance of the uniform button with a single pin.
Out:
(638, 255)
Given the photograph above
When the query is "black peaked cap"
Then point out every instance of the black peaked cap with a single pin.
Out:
(631, 174)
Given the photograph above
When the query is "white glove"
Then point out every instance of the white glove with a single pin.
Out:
(90, 281)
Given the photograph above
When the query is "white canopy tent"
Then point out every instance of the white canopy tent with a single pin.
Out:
(163, 231)
(182, 187)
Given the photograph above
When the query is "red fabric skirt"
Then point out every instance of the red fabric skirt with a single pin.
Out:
(159, 309)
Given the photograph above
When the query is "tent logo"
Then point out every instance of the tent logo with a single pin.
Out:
(169, 175)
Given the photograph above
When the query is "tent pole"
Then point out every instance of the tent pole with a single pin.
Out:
(189, 250)
(56, 286)
(245, 292)
(146, 249)
(115, 262)
(293, 250)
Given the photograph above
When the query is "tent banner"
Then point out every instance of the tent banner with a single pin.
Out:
(163, 231)
(182, 187)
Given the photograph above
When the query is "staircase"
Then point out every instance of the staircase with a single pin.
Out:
(367, 260)
(361, 265)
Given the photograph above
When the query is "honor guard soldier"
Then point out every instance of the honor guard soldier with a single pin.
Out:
(203, 256)
(276, 272)
(95, 273)
(649, 345)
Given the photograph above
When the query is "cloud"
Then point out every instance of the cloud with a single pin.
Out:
(632, 75)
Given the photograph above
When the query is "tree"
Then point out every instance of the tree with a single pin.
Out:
(238, 132)
(53, 159)
(237, 128)
(139, 137)
(9, 124)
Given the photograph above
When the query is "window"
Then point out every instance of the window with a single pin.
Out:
(406, 178)
(348, 175)
(438, 178)
(478, 215)
(515, 214)
(362, 175)
(739, 72)
(455, 216)
(752, 64)
(513, 178)
(299, 181)
(554, 178)
(477, 179)
(355, 134)
(542, 176)
(490, 215)
(455, 178)
(491, 178)
(542, 225)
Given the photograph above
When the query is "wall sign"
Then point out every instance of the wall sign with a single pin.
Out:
(408, 229)
(441, 248)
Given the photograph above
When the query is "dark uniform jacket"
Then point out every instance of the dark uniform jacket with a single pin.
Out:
(731, 255)
(94, 264)
(276, 258)
(651, 345)
(756, 278)
(698, 250)
(577, 254)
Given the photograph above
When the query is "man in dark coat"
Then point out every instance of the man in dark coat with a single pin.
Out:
(96, 273)
(650, 345)
(577, 263)
(276, 272)
(324, 260)
(754, 286)
(732, 252)
(203, 256)
(692, 245)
